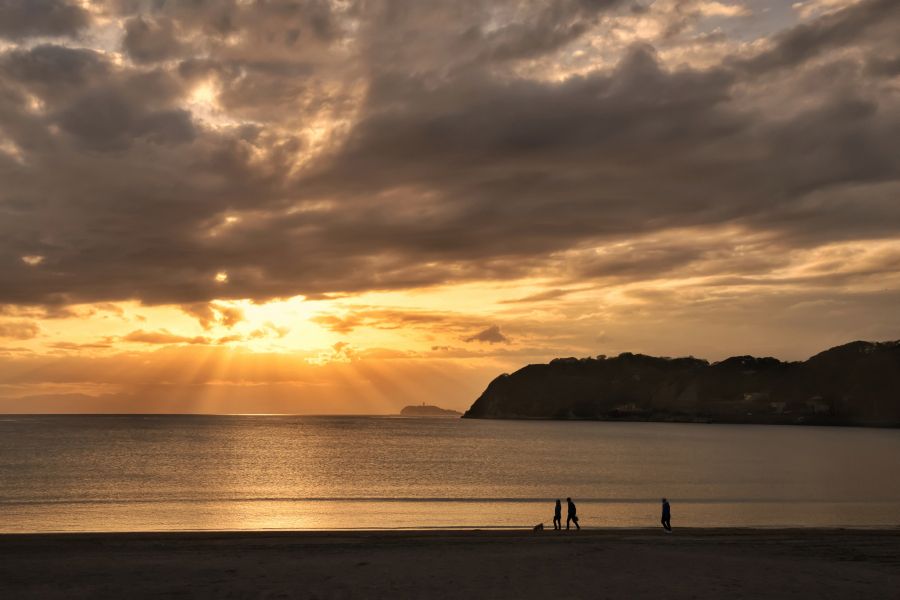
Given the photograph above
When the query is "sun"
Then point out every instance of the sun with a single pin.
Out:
(203, 102)
(204, 95)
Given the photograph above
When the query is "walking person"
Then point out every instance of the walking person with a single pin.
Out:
(666, 516)
(571, 514)
(557, 515)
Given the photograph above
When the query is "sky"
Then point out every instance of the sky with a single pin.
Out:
(342, 206)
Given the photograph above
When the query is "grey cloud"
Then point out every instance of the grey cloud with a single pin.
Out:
(274, 22)
(853, 136)
(870, 21)
(442, 37)
(639, 261)
(491, 335)
(147, 40)
(101, 106)
(107, 120)
(548, 27)
(882, 67)
(21, 19)
(49, 65)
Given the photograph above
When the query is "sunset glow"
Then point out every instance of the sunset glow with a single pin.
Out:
(233, 207)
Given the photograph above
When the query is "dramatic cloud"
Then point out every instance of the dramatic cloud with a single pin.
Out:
(576, 162)
(239, 136)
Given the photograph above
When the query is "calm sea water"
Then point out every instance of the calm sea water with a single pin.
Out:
(132, 473)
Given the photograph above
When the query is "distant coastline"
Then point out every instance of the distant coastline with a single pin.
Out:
(428, 410)
(853, 385)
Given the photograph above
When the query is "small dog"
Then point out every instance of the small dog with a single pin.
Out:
(538, 527)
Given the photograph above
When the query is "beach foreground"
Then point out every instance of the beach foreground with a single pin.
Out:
(691, 563)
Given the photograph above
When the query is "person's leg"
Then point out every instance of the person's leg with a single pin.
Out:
(568, 521)
(577, 526)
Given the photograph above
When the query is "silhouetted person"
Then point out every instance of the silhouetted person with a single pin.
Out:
(666, 516)
(557, 515)
(571, 515)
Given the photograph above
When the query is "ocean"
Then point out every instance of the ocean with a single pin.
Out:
(153, 473)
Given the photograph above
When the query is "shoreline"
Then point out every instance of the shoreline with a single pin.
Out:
(614, 563)
(460, 530)
(688, 420)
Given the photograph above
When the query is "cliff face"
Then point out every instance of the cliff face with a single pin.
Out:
(857, 383)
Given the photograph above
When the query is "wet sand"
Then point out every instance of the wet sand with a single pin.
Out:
(634, 564)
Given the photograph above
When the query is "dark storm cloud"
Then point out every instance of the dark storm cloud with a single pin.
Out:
(391, 145)
(21, 19)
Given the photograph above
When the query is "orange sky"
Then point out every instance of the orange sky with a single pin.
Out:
(333, 207)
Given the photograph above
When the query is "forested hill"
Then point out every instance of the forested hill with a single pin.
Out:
(854, 384)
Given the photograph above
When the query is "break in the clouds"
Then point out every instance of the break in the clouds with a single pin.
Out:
(662, 154)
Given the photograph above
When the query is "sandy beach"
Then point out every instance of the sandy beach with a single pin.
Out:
(691, 563)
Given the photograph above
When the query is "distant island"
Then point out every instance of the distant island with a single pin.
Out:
(428, 410)
(854, 384)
